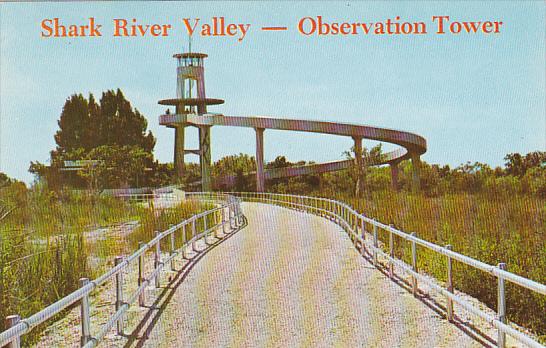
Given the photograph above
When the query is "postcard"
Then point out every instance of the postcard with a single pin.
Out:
(273, 174)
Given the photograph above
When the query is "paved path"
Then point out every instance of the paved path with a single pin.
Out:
(291, 279)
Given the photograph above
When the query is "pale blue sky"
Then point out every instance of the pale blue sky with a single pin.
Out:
(473, 97)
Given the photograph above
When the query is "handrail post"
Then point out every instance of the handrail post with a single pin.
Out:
(184, 241)
(214, 219)
(449, 286)
(363, 234)
(345, 220)
(229, 217)
(119, 294)
(391, 253)
(214, 222)
(234, 212)
(414, 264)
(348, 221)
(205, 227)
(351, 225)
(501, 307)
(157, 259)
(171, 252)
(238, 215)
(223, 220)
(11, 321)
(193, 234)
(342, 218)
(375, 244)
(84, 312)
(141, 298)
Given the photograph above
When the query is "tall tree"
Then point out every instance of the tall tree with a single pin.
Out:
(84, 124)
(73, 125)
(123, 125)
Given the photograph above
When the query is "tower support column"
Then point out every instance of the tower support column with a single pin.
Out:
(205, 158)
(416, 172)
(179, 131)
(359, 189)
(260, 174)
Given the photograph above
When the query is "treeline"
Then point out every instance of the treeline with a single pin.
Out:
(110, 142)
(521, 174)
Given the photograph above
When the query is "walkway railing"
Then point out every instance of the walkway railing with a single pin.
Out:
(228, 212)
(355, 224)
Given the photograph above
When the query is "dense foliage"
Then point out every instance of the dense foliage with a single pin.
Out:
(520, 175)
(84, 124)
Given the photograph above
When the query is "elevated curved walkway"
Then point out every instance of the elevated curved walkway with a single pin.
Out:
(412, 145)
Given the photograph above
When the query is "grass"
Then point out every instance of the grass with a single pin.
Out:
(490, 229)
(52, 240)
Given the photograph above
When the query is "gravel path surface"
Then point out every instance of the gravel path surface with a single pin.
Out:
(291, 279)
(287, 279)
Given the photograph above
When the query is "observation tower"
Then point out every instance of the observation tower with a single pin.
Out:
(191, 99)
(191, 110)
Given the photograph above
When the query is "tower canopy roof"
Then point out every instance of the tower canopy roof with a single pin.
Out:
(190, 55)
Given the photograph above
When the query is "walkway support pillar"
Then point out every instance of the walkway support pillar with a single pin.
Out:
(394, 175)
(205, 158)
(416, 172)
(260, 175)
(358, 166)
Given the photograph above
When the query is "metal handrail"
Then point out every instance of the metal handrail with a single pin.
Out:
(348, 218)
(18, 327)
(341, 213)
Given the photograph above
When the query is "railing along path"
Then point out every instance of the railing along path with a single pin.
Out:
(230, 213)
(353, 222)
(342, 214)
